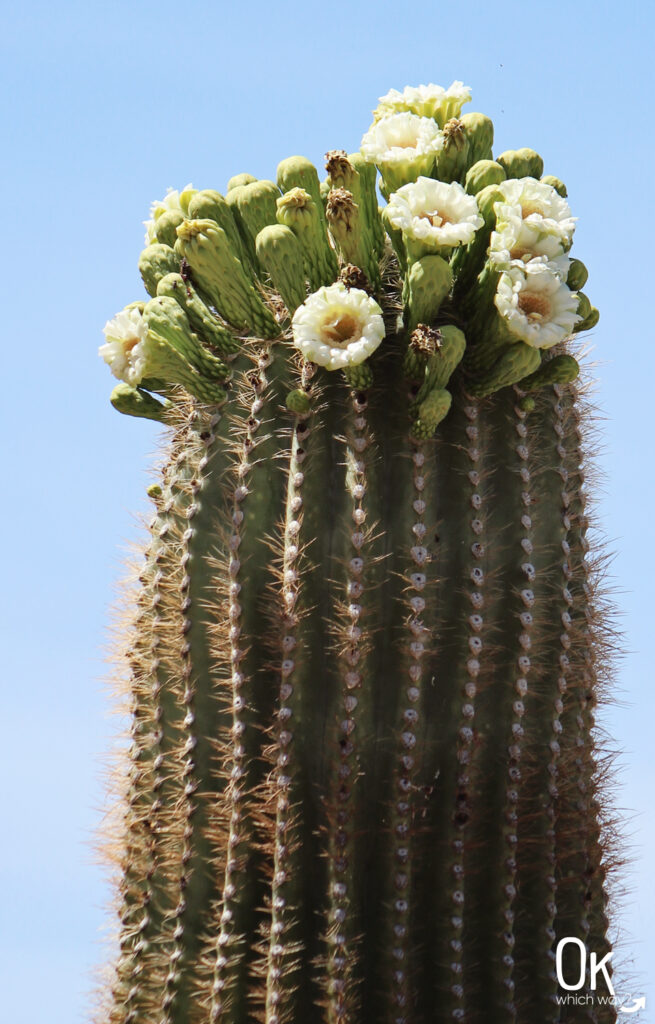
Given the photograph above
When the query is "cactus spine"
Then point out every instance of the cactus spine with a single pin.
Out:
(362, 780)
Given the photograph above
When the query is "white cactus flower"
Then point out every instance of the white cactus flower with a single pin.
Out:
(538, 307)
(123, 349)
(513, 245)
(434, 213)
(173, 200)
(425, 100)
(338, 327)
(403, 146)
(533, 211)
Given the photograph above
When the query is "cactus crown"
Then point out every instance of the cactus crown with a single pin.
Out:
(480, 244)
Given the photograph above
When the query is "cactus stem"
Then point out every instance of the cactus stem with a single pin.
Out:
(409, 752)
(466, 708)
(581, 911)
(573, 916)
(342, 937)
(137, 867)
(556, 712)
(164, 631)
(228, 949)
(200, 442)
(283, 961)
(515, 774)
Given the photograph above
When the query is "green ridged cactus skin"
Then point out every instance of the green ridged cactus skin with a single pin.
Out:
(363, 674)
(280, 255)
(155, 262)
(220, 274)
(366, 646)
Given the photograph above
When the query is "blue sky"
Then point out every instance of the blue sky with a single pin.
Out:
(104, 106)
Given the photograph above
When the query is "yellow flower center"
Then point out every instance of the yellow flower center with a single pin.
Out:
(340, 328)
(530, 207)
(535, 307)
(435, 218)
(127, 344)
(406, 140)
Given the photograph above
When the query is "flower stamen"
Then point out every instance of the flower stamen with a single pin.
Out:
(535, 307)
(340, 329)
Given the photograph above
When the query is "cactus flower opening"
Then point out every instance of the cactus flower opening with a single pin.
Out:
(123, 351)
(338, 327)
(438, 214)
(538, 307)
(425, 100)
(403, 144)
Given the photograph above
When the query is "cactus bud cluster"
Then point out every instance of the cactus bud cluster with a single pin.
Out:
(480, 243)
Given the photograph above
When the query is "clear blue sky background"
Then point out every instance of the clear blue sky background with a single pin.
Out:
(103, 107)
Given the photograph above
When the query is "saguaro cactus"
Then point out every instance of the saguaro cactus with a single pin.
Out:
(362, 781)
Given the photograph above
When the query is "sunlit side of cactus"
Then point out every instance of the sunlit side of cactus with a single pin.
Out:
(366, 642)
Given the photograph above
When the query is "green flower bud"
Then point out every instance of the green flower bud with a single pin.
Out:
(298, 402)
(521, 163)
(483, 173)
(367, 182)
(166, 226)
(201, 318)
(527, 403)
(453, 159)
(211, 205)
(486, 200)
(432, 410)
(560, 369)
(256, 205)
(360, 377)
(583, 310)
(515, 363)
(136, 402)
(343, 216)
(240, 179)
(280, 254)
(424, 341)
(577, 277)
(154, 491)
(220, 276)
(427, 284)
(155, 261)
(298, 172)
(590, 315)
(165, 317)
(559, 186)
(441, 364)
(479, 131)
(297, 210)
(341, 174)
(591, 320)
